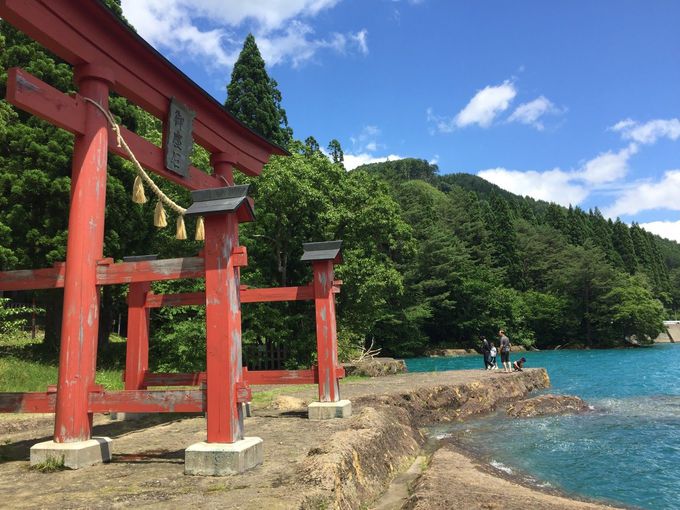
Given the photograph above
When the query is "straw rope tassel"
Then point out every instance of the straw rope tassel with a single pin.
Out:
(138, 196)
(159, 217)
(181, 230)
(200, 229)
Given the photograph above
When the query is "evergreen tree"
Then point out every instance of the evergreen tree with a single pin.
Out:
(35, 180)
(254, 98)
(335, 151)
(503, 240)
(311, 146)
(623, 244)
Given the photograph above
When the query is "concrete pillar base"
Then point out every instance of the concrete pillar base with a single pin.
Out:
(221, 459)
(329, 410)
(74, 455)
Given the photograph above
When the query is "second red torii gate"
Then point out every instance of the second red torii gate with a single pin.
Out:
(323, 256)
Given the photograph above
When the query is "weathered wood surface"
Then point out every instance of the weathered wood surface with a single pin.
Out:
(151, 270)
(141, 401)
(248, 295)
(107, 274)
(250, 377)
(32, 95)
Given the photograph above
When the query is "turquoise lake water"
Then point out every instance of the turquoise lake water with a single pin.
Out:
(626, 450)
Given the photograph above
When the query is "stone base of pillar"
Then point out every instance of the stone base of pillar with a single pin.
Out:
(329, 410)
(221, 459)
(74, 455)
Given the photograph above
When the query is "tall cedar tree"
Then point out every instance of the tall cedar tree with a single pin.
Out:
(254, 98)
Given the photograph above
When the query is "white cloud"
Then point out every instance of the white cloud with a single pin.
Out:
(648, 132)
(530, 113)
(366, 140)
(565, 187)
(214, 29)
(361, 39)
(552, 185)
(268, 14)
(486, 105)
(668, 229)
(608, 166)
(441, 124)
(482, 109)
(352, 161)
(363, 146)
(648, 195)
(166, 24)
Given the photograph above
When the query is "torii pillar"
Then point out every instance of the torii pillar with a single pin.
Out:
(226, 450)
(85, 245)
(324, 256)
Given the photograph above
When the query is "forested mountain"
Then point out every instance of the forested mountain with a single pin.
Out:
(429, 259)
(547, 273)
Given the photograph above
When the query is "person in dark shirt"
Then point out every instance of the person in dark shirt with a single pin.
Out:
(517, 365)
(505, 351)
(486, 351)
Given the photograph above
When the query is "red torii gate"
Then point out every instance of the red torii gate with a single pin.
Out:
(107, 56)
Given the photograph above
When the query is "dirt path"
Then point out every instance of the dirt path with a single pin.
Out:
(330, 464)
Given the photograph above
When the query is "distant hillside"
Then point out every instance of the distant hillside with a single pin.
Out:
(490, 258)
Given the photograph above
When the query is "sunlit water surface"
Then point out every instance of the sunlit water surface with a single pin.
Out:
(626, 450)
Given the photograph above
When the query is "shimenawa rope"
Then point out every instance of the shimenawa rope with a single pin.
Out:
(138, 189)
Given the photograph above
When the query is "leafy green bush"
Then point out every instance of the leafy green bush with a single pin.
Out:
(13, 320)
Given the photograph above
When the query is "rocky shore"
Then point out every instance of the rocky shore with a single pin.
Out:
(341, 464)
(456, 480)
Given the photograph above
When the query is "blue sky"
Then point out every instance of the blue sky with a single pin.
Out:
(568, 101)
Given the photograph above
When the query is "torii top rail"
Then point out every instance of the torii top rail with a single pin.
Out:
(107, 56)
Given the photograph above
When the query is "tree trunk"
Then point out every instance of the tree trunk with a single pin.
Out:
(54, 304)
(105, 317)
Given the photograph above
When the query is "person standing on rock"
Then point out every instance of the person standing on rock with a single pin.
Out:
(486, 351)
(492, 357)
(505, 351)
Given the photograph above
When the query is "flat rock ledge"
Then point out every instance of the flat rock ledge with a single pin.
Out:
(357, 464)
(546, 405)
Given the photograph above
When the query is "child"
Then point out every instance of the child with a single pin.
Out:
(517, 365)
(492, 357)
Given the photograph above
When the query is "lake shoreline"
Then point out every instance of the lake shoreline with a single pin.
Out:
(619, 453)
(460, 477)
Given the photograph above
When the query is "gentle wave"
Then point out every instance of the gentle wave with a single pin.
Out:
(501, 467)
(625, 449)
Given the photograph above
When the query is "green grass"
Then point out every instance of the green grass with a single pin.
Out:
(21, 375)
(50, 465)
(24, 368)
